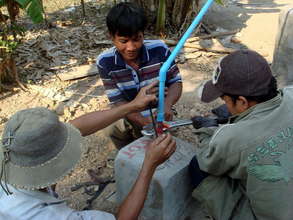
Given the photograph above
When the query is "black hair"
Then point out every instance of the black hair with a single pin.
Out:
(126, 19)
(273, 92)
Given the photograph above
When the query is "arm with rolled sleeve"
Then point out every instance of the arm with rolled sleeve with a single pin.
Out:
(213, 156)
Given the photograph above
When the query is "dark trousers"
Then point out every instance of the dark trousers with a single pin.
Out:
(197, 176)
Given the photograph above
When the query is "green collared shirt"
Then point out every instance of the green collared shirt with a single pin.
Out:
(254, 153)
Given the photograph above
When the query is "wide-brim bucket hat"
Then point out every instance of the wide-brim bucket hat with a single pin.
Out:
(37, 150)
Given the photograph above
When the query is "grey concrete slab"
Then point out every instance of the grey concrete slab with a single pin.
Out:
(169, 196)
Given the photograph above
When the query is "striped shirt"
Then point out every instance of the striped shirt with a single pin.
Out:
(122, 82)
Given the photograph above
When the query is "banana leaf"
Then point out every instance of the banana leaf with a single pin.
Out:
(2, 3)
(33, 8)
(219, 2)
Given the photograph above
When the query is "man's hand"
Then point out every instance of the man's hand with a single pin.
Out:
(155, 90)
(159, 150)
(144, 97)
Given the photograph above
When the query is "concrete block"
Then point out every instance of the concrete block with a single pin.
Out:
(169, 195)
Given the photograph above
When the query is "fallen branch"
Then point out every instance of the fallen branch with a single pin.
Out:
(212, 35)
(206, 28)
(218, 50)
(71, 76)
(79, 72)
(192, 56)
(214, 49)
(189, 50)
(82, 94)
(103, 42)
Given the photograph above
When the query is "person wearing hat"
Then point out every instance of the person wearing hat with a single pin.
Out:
(37, 150)
(244, 169)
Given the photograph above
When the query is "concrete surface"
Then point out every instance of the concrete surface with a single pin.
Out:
(169, 196)
(256, 20)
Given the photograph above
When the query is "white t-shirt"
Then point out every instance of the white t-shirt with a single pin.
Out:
(36, 205)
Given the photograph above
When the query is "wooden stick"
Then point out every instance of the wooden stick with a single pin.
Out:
(83, 8)
(212, 35)
(76, 75)
(103, 42)
(214, 49)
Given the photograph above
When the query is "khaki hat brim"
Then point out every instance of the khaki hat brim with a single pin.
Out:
(209, 92)
(51, 171)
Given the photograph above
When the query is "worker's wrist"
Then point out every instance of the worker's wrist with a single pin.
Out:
(149, 166)
(130, 107)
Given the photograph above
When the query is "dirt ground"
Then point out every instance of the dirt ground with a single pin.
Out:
(47, 54)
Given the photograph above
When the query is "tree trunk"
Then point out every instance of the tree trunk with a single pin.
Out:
(179, 14)
(161, 17)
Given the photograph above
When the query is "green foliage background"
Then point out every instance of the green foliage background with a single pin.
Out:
(34, 8)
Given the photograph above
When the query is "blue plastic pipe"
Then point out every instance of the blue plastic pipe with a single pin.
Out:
(171, 58)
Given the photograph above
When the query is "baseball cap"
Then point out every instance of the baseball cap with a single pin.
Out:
(243, 72)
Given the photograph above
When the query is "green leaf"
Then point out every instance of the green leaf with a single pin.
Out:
(9, 46)
(33, 8)
(2, 3)
(35, 11)
(18, 29)
(219, 2)
(23, 3)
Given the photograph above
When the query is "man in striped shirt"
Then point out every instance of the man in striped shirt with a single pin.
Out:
(130, 65)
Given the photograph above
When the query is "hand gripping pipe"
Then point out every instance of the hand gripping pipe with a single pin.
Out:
(171, 58)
